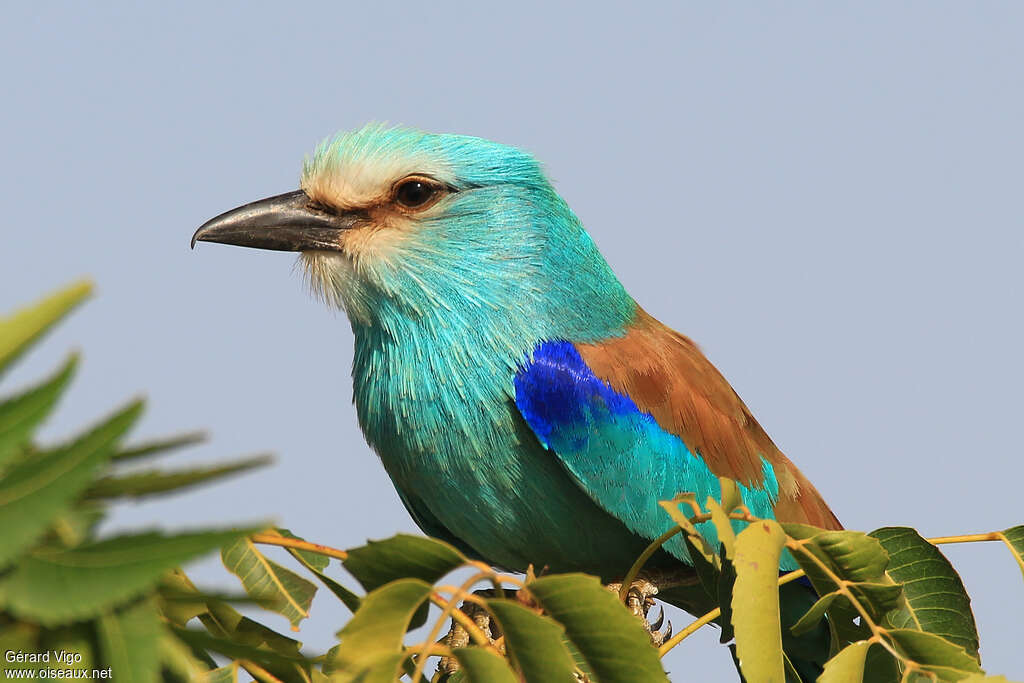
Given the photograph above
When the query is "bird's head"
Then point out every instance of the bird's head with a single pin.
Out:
(395, 225)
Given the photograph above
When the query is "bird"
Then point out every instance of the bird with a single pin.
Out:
(526, 408)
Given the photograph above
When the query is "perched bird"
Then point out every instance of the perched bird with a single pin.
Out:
(525, 407)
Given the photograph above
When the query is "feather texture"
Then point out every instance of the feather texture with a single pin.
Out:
(668, 378)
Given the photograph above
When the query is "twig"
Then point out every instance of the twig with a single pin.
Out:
(459, 593)
(634, 571)
(285, 542)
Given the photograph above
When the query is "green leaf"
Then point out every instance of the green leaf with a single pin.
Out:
(1014, 540)
(152, 482)
(610, 638)
(723, 525)
(811, 618)
(707, 572)
(130, 640)
(731, 496)
(21, 414)
(383, 670)
(159, 446)
(20, 330)
(934, 653)
(77, 525)
(317, 564)
(36, 491)
(853, 557)
(173, 587)
(402, 556)
(223, 674)
(848, 665)
(55, 586)
(694, 540)
(482, 666)
(378, 628)
(229, 624)
(179, 659)
(726, 581)
(273, 586)
(755, 602)
(201, 640)
(315, 561)
(534, 643)
(934, 596)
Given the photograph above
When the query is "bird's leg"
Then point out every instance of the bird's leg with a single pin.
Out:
(458, 636)
(640, 600)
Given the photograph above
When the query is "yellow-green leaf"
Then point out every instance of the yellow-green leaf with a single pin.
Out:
(731, 496)
(755, 602)
(696, 540)
(150, 482)
(619, 650)
(402, 556)
(20, 330)
(59, 585)
(723, 525)
(130, 639)
(21, 414)
(848, 665)
(534, 642)
(386, 669)
(378, 627)
(933, 653)
(482, 666)
(317, 564)
(273, 586)
(37, 490)
(934, 597)
(811, 618)
(177, 658)
(223, 674)
(159, 446)
(1014, 540)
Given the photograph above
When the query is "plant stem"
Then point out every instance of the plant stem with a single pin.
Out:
(285, 542)
(634, 571)
(689, 630)
(966, 538)
(458, 594)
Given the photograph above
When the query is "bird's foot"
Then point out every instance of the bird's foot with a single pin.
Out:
(458, 636)
(640, 600)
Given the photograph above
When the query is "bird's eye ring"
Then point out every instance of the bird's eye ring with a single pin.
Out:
(417, 192)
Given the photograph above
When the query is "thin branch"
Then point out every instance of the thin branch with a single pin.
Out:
(688, 631)
(634, 571)
(967, 538)
(285, 542)
(459, 593)
(714, 614)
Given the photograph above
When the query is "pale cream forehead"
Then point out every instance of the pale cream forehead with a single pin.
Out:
(362, 182)
(350, 172)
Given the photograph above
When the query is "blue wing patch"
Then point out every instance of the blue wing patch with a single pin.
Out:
(619, 454)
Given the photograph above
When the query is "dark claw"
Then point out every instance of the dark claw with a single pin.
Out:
(656, 624)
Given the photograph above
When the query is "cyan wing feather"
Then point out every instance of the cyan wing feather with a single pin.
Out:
(624, 460)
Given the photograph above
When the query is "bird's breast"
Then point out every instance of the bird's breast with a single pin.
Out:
(446, 429)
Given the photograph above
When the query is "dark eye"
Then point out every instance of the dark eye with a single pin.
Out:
(416, 193)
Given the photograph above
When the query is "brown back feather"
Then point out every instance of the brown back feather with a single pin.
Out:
(666, 375)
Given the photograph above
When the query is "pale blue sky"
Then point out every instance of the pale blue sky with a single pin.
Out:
(826, 196)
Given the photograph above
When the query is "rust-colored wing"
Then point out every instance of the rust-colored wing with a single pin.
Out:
(666, 375)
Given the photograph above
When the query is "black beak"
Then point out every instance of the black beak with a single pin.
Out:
(287, 222)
